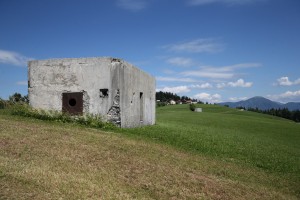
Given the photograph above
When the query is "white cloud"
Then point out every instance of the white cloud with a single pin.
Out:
(173, 79)
(177, 89)
(183, 88)
(284, 81)
(286, 97)
(225, 72)
(13, 58)
(202, 86)
(132, 5)
(22, 83)
(180, 61)
(205, 45)
(211, 98)
(238, 83)
(237, 98)
(221, 85)
(227, 2)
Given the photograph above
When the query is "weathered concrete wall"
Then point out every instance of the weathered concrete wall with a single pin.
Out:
(49, 79)
(136, 111)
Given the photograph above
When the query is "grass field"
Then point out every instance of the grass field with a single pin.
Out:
(259, 140)
(221, 153)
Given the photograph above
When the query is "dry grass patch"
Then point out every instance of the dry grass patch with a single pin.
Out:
(40, 160)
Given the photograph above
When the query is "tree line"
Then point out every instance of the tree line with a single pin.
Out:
(168, 96)
(280, 112)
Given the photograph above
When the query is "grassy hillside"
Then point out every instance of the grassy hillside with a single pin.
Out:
(221, 153)
(259, 140)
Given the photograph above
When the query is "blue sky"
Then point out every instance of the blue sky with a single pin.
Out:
(213, 50)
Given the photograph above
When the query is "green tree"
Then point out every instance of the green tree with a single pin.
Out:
(192, 107)
(18, 98)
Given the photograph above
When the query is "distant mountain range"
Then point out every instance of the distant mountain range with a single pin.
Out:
(262, 104)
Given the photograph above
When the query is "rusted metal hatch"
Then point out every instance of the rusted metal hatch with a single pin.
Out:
(72, 103)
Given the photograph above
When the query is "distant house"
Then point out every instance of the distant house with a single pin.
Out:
(172, 102)
(188, 101)
(194, 102)
(178, 102)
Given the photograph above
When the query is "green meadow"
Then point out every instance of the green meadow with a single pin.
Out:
(262, 141)
(221, 153)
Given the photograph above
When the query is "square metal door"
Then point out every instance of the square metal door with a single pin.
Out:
(72, 103)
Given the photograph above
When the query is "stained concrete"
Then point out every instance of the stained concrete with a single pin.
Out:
(133, 88)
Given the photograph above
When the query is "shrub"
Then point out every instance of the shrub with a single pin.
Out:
(192, 107)
(160, 104)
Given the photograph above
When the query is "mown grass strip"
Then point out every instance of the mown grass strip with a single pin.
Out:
(245, 139)
(42, 160)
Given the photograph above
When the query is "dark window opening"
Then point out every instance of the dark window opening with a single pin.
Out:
(103, 93)
(141, 107)
(72, 102)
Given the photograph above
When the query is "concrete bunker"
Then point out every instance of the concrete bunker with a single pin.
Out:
(110, 87)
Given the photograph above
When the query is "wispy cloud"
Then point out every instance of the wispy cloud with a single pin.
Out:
(168, 71)
(225, 72)
(174, 79)
(183, 88)
(221, 85)
(237, 98)
(202, 86)
(226, 2)
(286, 96)
(284, 81)
(177, 89)
(206, 45)
(234, 67)
(180, 61)
(22, 83)
(132, 5)
(211, 98)
(238, 83)
(13, 58)
(208, 74)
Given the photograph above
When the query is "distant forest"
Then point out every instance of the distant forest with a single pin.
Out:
(168, 96)
(284, 113)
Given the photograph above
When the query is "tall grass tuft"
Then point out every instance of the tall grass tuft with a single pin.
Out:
(2, 104)
(90, 120)
(6, 104)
